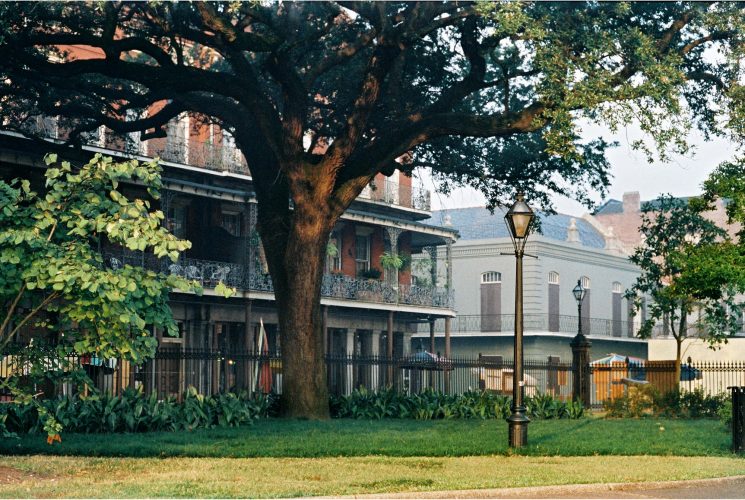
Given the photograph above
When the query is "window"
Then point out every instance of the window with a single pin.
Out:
(176, 221)
(491, 277)
(617, 287)
(585, 282)
(362, 252)
(231, 222)
(553, 278)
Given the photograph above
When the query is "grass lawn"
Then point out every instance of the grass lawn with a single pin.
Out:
(399, 438)
(291, 458)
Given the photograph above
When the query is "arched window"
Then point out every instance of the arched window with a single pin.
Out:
(553, 278)
(585, 282)
(491, 277)
(617, 287)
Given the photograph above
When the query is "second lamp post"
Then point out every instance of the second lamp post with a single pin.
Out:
(519, 220)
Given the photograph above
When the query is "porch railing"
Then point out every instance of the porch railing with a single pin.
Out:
(217, 156)
(558, 323)
(394, 193)
(544, 322)
(208, 273)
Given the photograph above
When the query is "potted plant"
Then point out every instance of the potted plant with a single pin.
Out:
(369, 289)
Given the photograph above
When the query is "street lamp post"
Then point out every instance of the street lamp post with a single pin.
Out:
(580, 354)
(519, 219)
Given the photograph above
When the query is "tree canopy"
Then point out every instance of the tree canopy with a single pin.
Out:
(323, 96)
(680, 258)
(489, 94)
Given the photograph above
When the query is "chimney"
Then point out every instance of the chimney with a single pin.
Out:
(631, 202)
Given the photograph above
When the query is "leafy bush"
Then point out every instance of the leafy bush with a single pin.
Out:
(725, 412)
(432, 405)
(133, 411)
(647, 401)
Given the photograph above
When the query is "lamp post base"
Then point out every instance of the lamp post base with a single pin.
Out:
(518, 428)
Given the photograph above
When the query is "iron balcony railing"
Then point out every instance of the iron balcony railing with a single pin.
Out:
(554, 323)
(557, 323)
(393, 193)
(209, 273)
(221, 157)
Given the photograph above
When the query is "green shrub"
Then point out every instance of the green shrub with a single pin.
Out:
(645, 400)
(725, 412)
(697, 404)
(133, 411)
(432, 405)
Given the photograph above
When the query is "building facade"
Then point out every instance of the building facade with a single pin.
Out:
(565, 250)
(208, 199)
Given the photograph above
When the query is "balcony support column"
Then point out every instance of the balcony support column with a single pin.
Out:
(447, 354)
(389, 348)
(432, 251)
(449, 265)
(375, 364)
(431, 335)
(166, 196)
(248, 344)
(393, 234)
(349, 385)
(324, 325)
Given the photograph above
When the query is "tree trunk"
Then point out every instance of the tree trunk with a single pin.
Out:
(678, 344)
(296, 266)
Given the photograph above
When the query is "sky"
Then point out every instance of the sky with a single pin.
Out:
(682, 176)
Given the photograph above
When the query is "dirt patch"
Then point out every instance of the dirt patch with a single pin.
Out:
(9, 475)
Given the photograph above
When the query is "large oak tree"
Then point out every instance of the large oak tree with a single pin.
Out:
(486, 94)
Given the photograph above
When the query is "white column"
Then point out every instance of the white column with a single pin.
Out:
(407, 343)
(375, 368)
(349, 383)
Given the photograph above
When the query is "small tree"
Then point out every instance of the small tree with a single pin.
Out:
(52, 274)
(676, 237)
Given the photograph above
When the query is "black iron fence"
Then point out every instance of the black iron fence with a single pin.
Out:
(172, 370)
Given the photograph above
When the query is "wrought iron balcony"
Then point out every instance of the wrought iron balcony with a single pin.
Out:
(221, 157)
(393, 193)
(552, 323)
(209, 273)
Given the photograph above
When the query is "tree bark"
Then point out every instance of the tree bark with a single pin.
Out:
(296, 267)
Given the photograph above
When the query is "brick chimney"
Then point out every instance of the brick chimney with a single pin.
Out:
(631, 202)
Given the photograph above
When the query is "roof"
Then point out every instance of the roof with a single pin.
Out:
(614, 206)
(609, 207)
(478, 223)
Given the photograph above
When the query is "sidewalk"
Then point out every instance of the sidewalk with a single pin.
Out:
(727, 487)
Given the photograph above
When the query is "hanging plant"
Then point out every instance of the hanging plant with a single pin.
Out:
(391, 261)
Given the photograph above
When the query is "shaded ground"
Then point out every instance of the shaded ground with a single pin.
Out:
(732, 487)
(10, 475)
